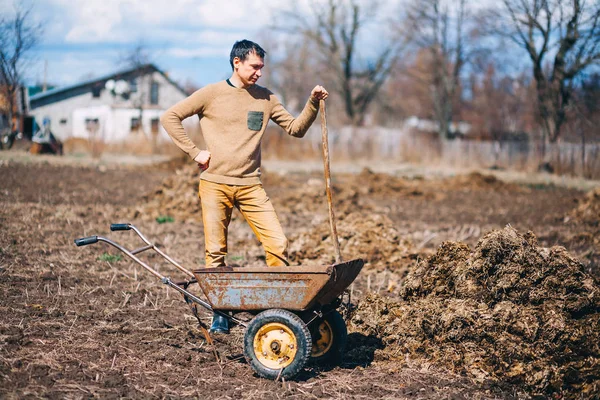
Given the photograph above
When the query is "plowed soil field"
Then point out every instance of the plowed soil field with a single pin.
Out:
(473, 288)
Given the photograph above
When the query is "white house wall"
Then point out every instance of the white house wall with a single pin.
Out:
(64, 110)
(113, 112)
(114, 124)
(79, 116)
(167, 93)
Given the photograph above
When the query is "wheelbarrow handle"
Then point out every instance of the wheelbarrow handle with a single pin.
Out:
(120, 227)
(86, 240)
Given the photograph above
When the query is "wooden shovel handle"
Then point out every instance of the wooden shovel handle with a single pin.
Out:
(334, 235)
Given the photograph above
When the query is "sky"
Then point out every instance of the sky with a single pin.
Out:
(189, 39)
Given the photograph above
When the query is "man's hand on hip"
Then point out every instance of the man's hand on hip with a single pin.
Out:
(319, 93)
(203, 158)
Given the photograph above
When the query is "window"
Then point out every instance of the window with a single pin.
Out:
(154, 126)
(135, 124)
(133, 85)
(154, 93)
(92, 124)
(96, 90)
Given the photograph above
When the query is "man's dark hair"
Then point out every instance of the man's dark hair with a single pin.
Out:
(242, 48)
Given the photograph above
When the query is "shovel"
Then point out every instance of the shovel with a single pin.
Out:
(334, 235)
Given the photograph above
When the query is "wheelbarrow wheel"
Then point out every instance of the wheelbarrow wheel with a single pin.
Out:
(329, 337)
(277, 343)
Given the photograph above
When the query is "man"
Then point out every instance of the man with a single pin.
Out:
(233, 116)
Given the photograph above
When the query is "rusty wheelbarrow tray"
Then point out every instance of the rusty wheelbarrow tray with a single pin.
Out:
(296, 288)
(294, 309)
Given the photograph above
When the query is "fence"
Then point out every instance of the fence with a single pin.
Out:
(410, 146)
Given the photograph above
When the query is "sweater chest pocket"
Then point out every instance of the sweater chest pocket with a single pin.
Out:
(255, 120)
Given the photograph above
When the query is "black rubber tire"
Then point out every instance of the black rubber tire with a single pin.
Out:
(7, 141)
(297, 327)
(339, 333)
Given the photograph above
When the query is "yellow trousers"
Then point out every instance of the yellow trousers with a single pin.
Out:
(217, 202)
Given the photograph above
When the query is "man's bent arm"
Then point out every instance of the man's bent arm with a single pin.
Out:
(296, 127)
(171, 121)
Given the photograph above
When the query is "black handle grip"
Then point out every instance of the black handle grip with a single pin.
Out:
(120, 227)
(86, 240)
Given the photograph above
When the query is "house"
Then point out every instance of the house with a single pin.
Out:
(110, 108)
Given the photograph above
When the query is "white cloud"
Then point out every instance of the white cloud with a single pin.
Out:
(197, 52)
(214, 37)
(92, 21)
(235, 13)
(71, 67)
(96, 21)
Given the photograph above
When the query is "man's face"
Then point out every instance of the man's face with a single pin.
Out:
(249, 70)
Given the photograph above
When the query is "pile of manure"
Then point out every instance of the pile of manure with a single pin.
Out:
(476, 181)
(177, 197)
(588, 211)
(507, 312)
(370, 236)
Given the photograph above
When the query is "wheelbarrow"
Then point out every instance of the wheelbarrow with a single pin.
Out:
(294, 309)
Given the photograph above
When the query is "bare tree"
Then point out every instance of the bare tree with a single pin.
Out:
(138, 57)
(135, 56)
(499, 109)
(438, 27)
(562, 39)
(18, 36)
(290, 69)
(586, 110)
(334, 27)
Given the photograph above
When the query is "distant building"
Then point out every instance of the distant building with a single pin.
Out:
(457, 129)
(109, 108)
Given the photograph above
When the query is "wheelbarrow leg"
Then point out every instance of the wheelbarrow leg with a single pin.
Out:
(205, 332)
(203, 328)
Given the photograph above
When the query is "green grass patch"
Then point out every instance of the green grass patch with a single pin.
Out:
(110, 257)
(163, 219)
(541, 186)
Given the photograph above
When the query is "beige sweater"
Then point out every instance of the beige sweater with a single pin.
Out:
(233, 122)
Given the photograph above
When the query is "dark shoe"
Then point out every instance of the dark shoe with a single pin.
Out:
(219, 324)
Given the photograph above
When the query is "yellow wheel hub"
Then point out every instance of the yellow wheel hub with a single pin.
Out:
(323, 344)
(275, 345)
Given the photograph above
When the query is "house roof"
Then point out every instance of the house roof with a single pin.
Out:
(65, 92)
(33, 90)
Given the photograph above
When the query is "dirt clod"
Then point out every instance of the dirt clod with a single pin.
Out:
(588, 211)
